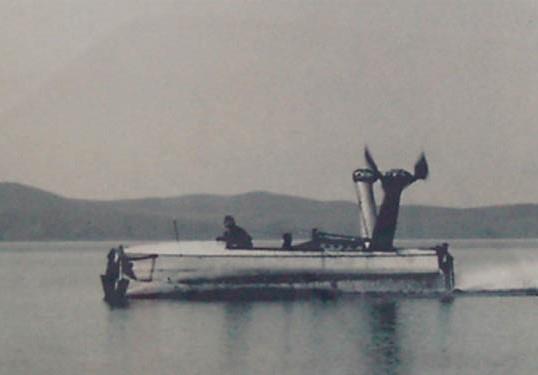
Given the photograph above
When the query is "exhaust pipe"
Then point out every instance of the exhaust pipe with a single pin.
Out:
(364, 180)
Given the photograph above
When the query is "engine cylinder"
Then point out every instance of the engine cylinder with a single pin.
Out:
(364, 180)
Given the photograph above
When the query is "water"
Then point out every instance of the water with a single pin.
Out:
(54, 322)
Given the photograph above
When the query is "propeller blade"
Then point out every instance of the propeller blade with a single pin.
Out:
(371, 163)
(421, 168)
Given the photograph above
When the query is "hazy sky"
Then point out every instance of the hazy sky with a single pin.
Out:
(128, 98)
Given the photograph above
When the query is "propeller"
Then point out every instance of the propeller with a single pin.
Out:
(371, 163)
(421, 168)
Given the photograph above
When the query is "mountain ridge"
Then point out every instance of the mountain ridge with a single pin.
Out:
(29, 213)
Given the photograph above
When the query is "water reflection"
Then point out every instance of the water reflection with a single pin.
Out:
(384, 348)
(443, 325)
(317, 338)
(237, 319)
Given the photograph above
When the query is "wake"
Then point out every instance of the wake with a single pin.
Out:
(519, 278)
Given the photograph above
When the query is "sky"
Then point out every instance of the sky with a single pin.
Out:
(130, 98)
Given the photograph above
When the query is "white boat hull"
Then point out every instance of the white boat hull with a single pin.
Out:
(191, 269)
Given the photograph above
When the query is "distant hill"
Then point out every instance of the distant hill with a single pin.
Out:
(28, 213)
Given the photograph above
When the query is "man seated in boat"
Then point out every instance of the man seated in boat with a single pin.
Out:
(235, 236)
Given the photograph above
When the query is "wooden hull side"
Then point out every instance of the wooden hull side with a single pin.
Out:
(401, 284)
(304, 262)
(242, 275)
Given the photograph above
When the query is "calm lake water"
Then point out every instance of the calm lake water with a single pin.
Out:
(54, 322)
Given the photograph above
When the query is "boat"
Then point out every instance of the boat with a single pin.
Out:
(326, 265)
